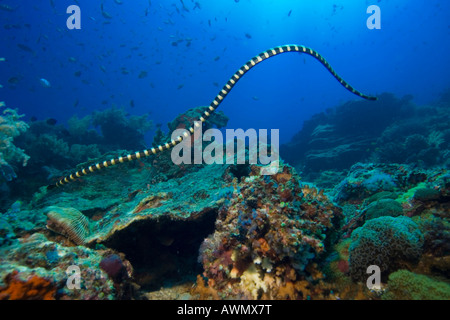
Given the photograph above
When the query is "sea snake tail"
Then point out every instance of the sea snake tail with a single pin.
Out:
(212, 107)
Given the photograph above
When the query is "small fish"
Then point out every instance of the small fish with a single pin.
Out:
(184, 6)
(143, 74)
(77, 73)
(209, 23)
(289, 14)
(25, 48)
(216, 58)
(106, 15)
(103, 68)
(45, 83)
(5, 7)
(13, 80)
(132, 103)
(255, 98)
(75, 104)
(118, 1)
(72, 59)
(197, 6)
(180, 86)
(2, 59)
(248, 35)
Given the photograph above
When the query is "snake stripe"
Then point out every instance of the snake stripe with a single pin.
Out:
(213, 106)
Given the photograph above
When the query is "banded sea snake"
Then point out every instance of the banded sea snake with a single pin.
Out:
(212, 107)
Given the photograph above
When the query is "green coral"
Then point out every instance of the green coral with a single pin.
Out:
(406, 285)
(386, 242)
(383, 207)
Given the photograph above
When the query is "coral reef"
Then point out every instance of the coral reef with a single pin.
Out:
(269, 236)
(386, 242)
(154, 230)
(405, 285)
(383, 207)
(389, 130)
(33, 288)
(36, 268)
(10, 155)
(53, 148)
(120, 131)
(163, 162)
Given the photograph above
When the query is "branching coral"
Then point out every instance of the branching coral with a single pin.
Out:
(10, 127)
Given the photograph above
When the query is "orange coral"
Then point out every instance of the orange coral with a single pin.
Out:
(204, 292)
(282, 177)
(35, 288)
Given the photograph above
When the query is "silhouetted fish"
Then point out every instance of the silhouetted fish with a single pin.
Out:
(25, 48)
(6, 7)
(13, 80)
(142, 75)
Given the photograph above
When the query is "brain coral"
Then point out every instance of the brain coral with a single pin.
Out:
(383, 207)
(405, 285)
(386, 242)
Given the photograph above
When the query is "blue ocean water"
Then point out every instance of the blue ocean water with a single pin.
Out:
(189, 49)
(362, 183)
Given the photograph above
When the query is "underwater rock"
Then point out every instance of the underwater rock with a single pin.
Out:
(343, 135)
(388, 130)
